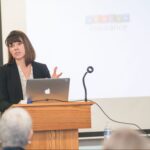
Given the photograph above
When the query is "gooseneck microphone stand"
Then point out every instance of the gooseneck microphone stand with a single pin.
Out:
(90, 69)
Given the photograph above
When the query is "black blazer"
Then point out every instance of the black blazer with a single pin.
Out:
(10, 83)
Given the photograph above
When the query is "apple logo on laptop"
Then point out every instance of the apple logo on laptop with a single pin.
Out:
(47, 91)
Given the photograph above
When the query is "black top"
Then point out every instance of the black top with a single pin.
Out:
(13, 148)
(10, 83)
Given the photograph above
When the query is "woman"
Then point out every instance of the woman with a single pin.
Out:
(21, 66)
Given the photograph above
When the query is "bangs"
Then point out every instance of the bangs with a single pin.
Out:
(11, 39)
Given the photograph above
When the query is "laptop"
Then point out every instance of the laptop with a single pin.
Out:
(48, 89)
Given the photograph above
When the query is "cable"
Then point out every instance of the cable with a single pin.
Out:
(115, 120)
(128, 123)
(48, 100)
(133, 124)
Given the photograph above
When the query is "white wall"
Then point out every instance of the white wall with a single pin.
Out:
(13, 18)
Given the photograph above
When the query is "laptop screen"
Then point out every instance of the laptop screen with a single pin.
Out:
(48, 89)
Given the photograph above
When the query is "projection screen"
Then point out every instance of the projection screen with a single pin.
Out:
(110, 35)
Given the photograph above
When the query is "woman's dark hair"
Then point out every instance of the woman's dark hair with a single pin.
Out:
(19, 36)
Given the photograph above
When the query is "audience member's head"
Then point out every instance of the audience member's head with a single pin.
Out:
(15, 128)
(126, 139)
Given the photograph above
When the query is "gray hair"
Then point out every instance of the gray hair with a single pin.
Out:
(15, 127)
(124, 138)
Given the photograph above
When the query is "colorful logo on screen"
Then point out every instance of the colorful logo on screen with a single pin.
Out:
(105, 19)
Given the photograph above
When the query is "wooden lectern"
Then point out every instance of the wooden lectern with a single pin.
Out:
(56, 124)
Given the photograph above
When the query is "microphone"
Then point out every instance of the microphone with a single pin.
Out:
(90, 69)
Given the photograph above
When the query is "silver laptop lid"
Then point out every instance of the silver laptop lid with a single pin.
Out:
(48, 89)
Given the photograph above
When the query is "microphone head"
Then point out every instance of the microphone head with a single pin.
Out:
(90, 69)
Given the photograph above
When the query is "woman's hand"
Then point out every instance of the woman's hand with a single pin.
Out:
(55, 75)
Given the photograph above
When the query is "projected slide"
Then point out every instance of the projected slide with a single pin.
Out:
(112, 36)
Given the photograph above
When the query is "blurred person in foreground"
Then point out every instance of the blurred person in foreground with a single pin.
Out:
(15, 129)
(125, 138)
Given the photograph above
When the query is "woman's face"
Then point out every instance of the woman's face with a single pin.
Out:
(17, 50)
